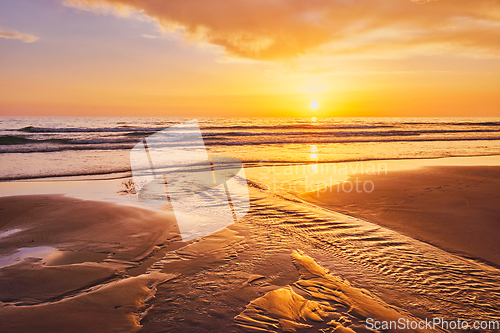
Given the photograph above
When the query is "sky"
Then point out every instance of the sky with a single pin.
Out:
(384, 58)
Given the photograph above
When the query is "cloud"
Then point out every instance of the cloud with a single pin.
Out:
(27, 38)
(281, 29)
(151, 36)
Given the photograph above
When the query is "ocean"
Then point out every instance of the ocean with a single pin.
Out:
(98, 148)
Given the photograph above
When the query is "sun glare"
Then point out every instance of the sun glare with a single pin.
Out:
(314, 105)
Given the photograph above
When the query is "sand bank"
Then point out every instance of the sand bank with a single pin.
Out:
(71, 261)
(456, 208)
(146, 280)
(100, 264)
(329, 300)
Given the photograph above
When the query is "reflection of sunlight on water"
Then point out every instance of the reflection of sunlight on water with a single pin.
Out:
(9, 232)
(313, 119)
(52, 257)
(42, 252)
(313, 155)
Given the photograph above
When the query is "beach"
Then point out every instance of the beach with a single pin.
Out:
(249, 166)
(351, 225)
(454, 208)
(146, 276)
(298, 261)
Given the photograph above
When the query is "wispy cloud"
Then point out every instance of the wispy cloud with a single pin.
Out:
(27, 38)
(151, 36)
(281, 29)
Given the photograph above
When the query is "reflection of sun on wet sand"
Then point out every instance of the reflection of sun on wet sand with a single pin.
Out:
(455, 207)
(76, 289)
(336, 303)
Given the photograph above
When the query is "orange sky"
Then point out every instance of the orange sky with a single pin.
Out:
(250, 58)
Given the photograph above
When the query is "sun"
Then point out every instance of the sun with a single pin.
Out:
(314, 105)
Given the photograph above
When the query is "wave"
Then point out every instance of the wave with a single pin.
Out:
(128, 136)
(217, 142)
(337, 125)
(99, 141)
(13, 140)
(33, 129)
(345, 134)
(318, 126)
(8, 140)
(464, 123)
(117, 173)
(302, 126)
(309, 141)
(273, 130)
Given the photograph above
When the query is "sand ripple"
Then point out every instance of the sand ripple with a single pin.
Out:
(447, 283)
(343, 308)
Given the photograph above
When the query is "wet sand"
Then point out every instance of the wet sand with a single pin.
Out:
(287, 266)
(80, 281)
(456, 208)
(240, 278)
